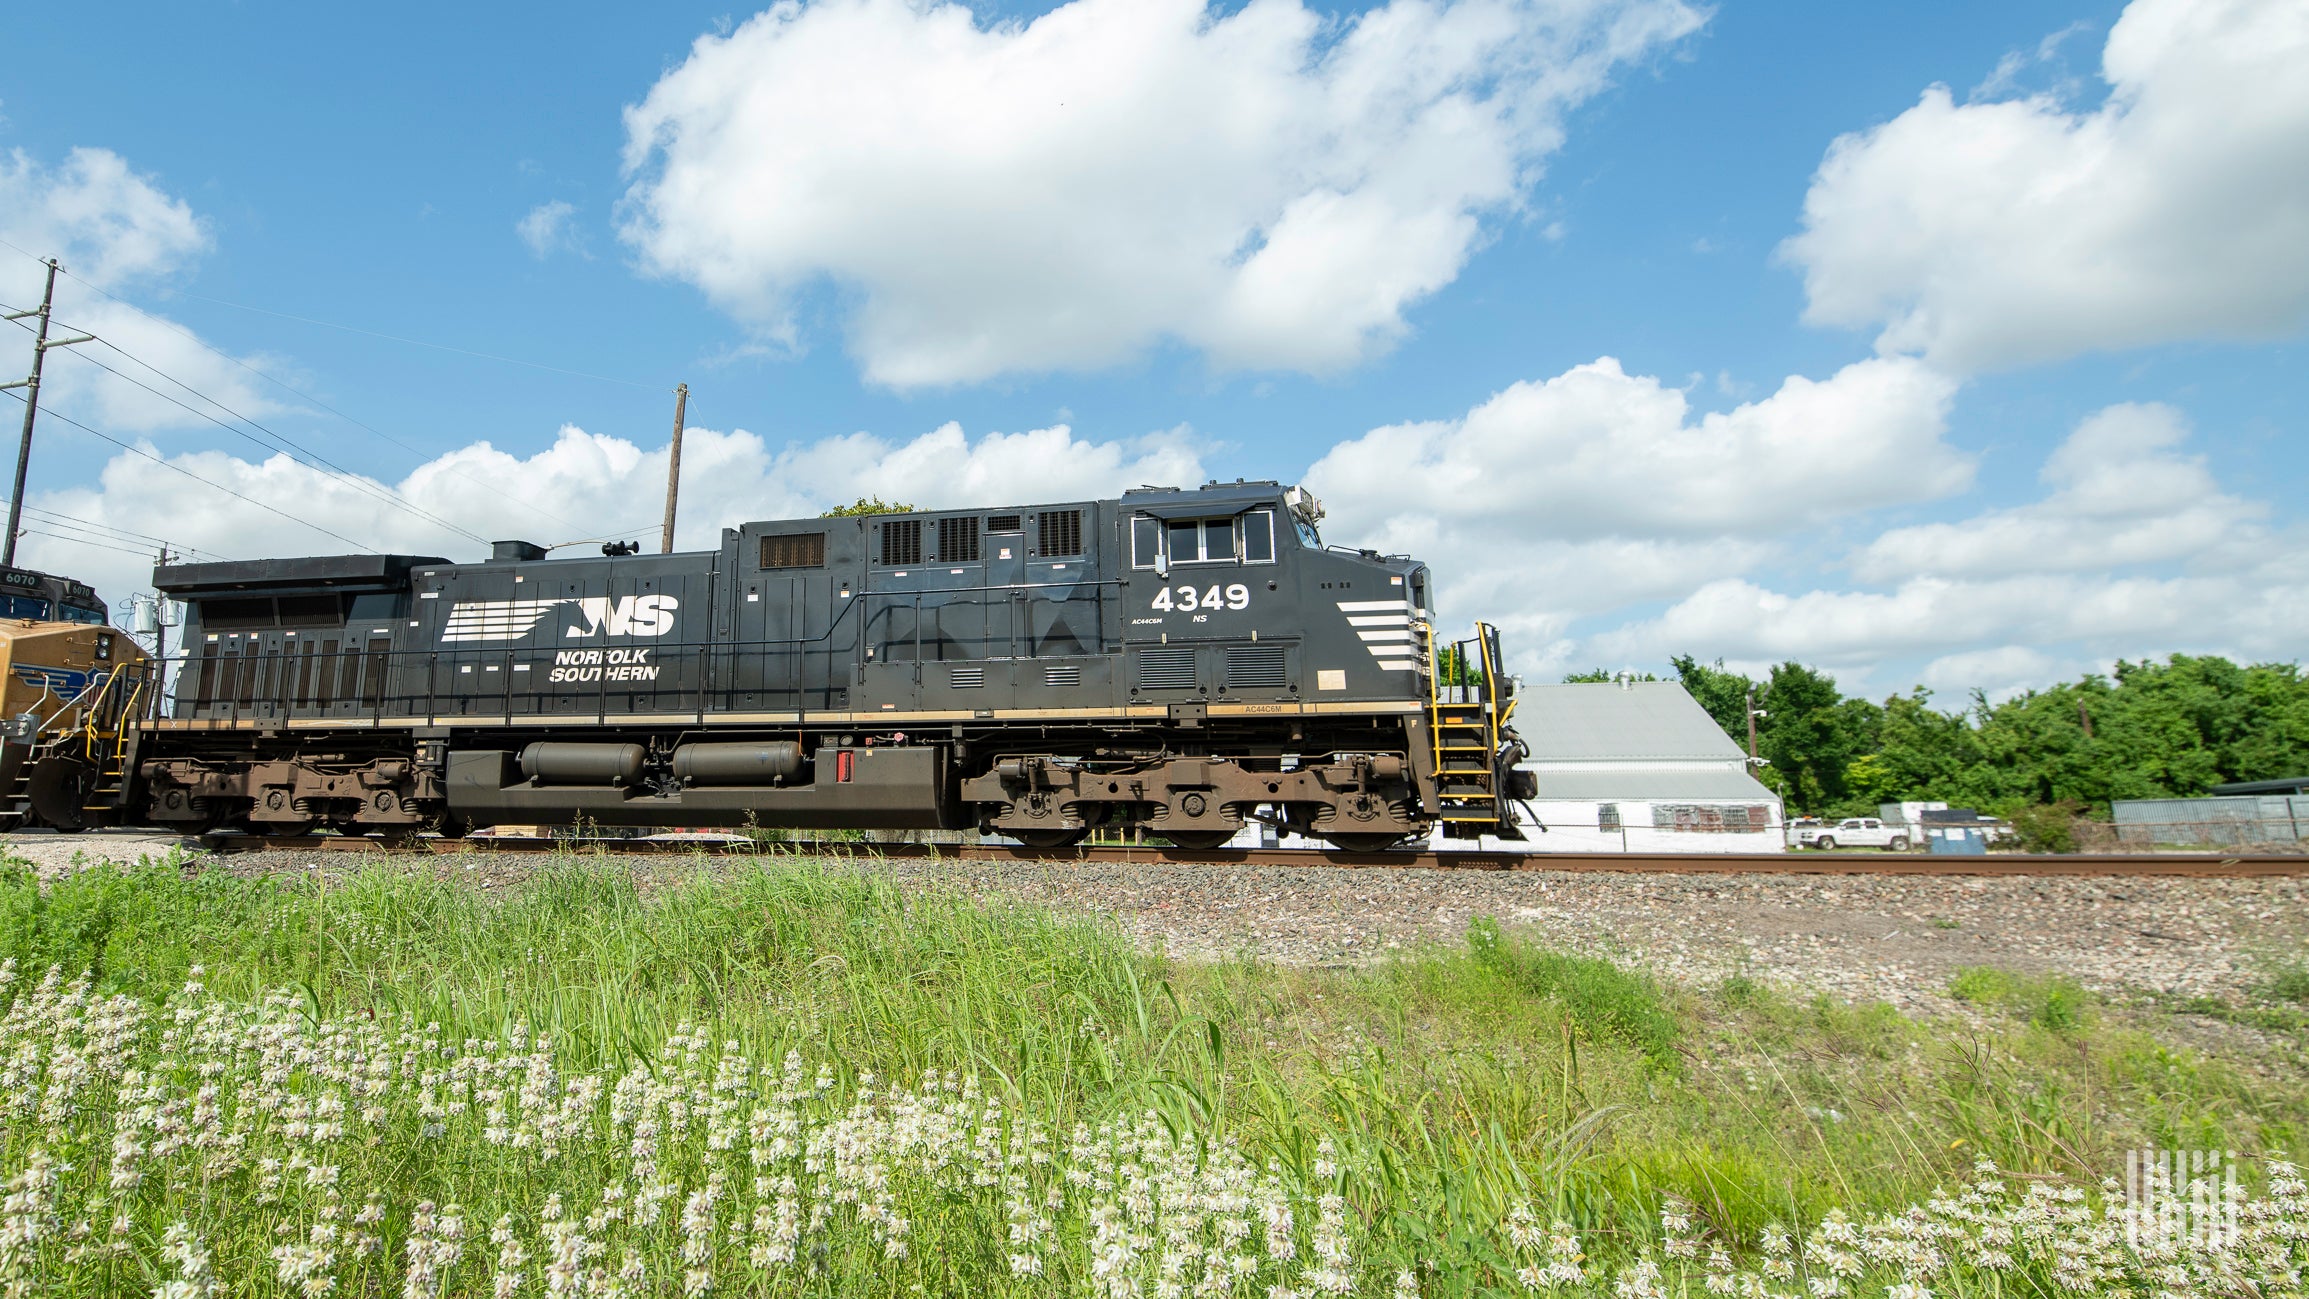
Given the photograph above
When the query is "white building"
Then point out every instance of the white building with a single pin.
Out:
(1638, 766)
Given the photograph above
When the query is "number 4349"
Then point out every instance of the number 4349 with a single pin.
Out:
(1186, 599)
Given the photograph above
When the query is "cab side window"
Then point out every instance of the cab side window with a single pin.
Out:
(1247, 538)
(1218, 540)
(1259, 537)
(1146, 540)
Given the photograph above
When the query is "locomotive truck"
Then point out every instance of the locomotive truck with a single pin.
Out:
(1174, 661)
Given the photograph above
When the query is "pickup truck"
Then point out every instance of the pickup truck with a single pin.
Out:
(1854, 832)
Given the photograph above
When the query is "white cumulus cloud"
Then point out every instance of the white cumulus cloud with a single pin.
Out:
(1995, 234)
(1595, 490)
(582, 487)
(546, 229)
(1267, 186)
(2134, 550)
(2119, 496)
(115, 231)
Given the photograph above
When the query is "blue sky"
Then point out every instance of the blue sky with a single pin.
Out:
(820, 262)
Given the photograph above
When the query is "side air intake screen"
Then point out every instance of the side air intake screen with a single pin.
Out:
(957, 541)
(1061, 532)
(1164, 669)
(802, 550)
(1257, 667)
(902, 541)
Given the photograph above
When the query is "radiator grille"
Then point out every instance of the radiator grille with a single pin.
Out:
(1061, 532)
(902, 541)
(1164, 669)
(966, 678)
(1069, 675)
(957, 541)
(1257, 667)
(801, 550)
(1002, 523)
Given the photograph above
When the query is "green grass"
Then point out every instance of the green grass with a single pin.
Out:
(2291, 983)
(2055, 1003)
(1461, 1079)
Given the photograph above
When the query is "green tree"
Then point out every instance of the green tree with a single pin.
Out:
(1601, 676)
(1453, 668)
(867, 505)
(1922, 753)
(1811, 734)
(2177, 727)
(1722, 693)
(2154, 728)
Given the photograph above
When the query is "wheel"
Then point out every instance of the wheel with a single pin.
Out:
(59, 790)
(1048, 839)
(1198, 840)
(1899, 844)
(1825, 843)
(1363, 842)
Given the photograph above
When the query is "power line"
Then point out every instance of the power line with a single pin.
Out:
(84, 541)
(277, 441)
(197, 341)
(107, 532)
(271, 509)
(281, 443)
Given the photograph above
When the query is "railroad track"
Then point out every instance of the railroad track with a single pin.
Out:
(2209, 865)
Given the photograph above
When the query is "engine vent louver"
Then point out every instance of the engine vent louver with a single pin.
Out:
(969, 678)
(902, 541)
(1069, 675)
(957, 541)
(799, 550)
(1002, 523)
(1164, 669)
(1257, 667)
(1061, 533)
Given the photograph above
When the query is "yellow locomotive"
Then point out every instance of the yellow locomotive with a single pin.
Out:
(72, 688)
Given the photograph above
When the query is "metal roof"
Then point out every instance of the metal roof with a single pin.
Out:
(1639, 785)
(267, 574)
(2292, 785)
(1614, 722)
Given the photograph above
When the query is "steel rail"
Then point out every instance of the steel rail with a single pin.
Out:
(2205, 865)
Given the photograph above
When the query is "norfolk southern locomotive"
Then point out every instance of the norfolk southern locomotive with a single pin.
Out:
(1177, 661)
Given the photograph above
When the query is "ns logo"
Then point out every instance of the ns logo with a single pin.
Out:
(631, 615)
(501, 621)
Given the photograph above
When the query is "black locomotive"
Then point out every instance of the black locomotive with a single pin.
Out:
(1180, 661)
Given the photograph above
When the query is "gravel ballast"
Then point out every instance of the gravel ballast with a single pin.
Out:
(1859, 937)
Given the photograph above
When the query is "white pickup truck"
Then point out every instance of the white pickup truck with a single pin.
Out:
(1854, 832)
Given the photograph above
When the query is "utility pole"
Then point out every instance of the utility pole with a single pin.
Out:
(673, 470)
(1752, 715)
(160, 618)
(31, 407)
